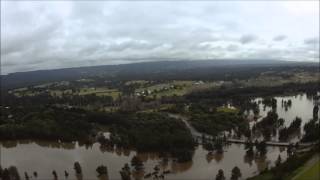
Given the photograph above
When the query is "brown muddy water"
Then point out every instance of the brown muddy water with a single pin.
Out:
(44, 157)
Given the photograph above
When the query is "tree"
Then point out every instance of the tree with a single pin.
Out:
(1, 171)
(102, 170)
(55, 175)
(13, 173)
(315, 111)
(312, 131)
(235, 173)
(262, 147)
(220, 175)
(125, 172)
(77, 168)
(66, 174)
(136, 163)
(218, 146)
(6, 174)
(290, 150)
(26, 176)
(278, 162)
(35, 174)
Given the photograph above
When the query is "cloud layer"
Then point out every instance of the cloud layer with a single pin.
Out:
(44, 35)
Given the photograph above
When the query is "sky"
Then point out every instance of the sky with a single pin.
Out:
(58, 34)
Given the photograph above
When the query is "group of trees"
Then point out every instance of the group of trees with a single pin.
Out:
(268, 125)
(286, 104)
(294, 127)
(283, 170)
(251, 91)
(235, 174)
(12, 173)
(216, 122)
(261, 148)
(271, 102)
(155, 131)
(47, 123)
(148, 132)
(312, 131)
(216, 144)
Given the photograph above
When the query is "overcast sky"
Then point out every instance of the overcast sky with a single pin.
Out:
(46, 35)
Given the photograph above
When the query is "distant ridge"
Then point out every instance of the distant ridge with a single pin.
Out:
(144, 70)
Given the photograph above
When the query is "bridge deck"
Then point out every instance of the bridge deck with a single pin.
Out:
(269, 143)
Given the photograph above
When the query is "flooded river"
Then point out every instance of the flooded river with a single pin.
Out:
(302, 106)
(44, 157)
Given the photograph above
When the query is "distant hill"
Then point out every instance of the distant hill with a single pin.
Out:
(197, 69)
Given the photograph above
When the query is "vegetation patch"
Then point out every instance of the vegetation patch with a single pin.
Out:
(311, 173)
(214, 123)
(227, 109)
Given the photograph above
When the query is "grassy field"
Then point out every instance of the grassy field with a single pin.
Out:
(227, 109)
(309, 170)
(114, 93)
(136, 82)
(162, 107)
(309, 173)
(175, 88)
(85, 80)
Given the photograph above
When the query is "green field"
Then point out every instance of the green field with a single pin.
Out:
(310, 173)
(174, 88)
(227, 109)
(104, 91)
(136, 82)
(100, 92)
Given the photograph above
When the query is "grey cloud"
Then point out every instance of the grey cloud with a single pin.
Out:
(26, 41)
(78, 33)
(132, 44)
(312, 41)
(232, 47)
(249, 38)
(280, 38)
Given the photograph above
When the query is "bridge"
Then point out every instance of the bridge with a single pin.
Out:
(268, 143)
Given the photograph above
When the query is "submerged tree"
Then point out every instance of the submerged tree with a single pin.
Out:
(220, 175)
(278, 162)
(249, 149)
(1, 171)
(315, 111)
(35, 174)
(262, 147)
(55, 175)
(77, 168)
(26, 176)
(13, 173)
(125, 172)
(66, 174)
(5, 174)
(102, 170)
(137, 163)
(235, 173)
(312, 131)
